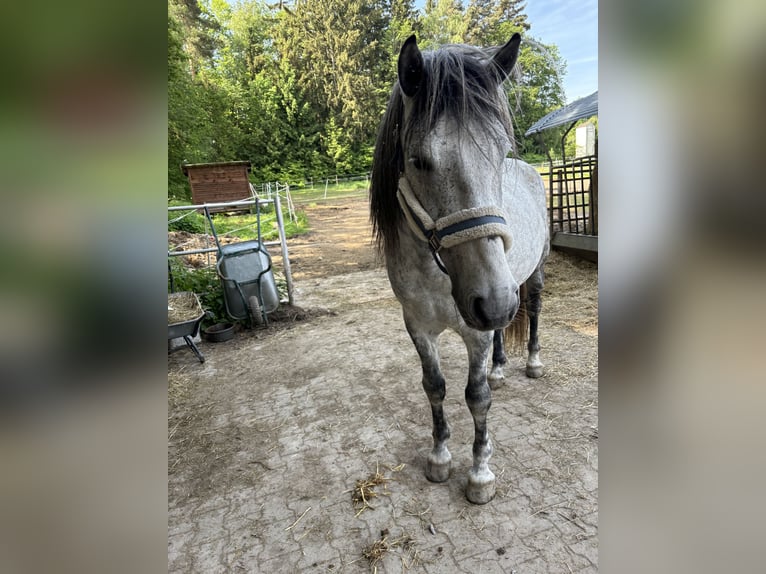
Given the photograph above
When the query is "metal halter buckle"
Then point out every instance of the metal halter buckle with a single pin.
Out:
(434, 242)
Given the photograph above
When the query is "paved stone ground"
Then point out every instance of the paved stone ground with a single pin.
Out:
(268, 438)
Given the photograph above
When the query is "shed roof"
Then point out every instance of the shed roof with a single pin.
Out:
(185, 166)
(577, 110)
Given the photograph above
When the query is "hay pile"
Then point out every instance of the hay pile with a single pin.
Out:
(183, 307)
(364, 491)
(570, 297)
(378, 549)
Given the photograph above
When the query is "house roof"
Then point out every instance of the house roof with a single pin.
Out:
(577, 110)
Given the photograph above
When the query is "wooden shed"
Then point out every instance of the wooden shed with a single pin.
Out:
(219, 182)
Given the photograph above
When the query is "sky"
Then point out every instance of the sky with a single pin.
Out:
(573, 26)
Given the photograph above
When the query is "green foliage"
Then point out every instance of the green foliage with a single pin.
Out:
(537, 92)
(240, 226)
(442, 22)
(205, 283)
(340, 60)
(191, 221)
(298, 87)
(245, 227)
(339, 148)
(293, 228)
(492, 22)
(534, 158)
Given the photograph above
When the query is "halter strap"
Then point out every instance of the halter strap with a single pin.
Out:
(453, 229)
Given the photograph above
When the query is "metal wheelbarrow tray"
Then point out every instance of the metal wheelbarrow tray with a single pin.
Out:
(185, 315)
(249, 288)
(248, 281)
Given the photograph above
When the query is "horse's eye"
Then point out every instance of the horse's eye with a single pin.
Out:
(420, 164)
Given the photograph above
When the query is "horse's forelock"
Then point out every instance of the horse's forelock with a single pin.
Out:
(461, 83)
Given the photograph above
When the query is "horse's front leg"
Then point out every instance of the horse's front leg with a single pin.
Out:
(426, 342)
(481, 480)
(496, 377)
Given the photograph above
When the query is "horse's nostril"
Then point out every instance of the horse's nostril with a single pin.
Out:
(478, 309)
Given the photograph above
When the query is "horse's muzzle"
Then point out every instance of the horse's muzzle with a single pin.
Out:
(489, 314)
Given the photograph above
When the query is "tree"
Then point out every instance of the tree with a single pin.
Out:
(198, 26)
(537, 91)
(339, 57)
(298, 88)
(442, 22)
(186, 126)
(245, 44)
(492, 22)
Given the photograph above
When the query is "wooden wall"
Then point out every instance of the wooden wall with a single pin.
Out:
(218, 182)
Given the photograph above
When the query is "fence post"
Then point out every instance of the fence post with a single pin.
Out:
(290, 205)
(285, 255)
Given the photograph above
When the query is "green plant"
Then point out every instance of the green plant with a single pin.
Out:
(245, 227)
(206, 284)
(268, 208)
(191, 221)
(534, 158)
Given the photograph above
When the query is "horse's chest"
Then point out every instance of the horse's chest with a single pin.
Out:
(421, 287)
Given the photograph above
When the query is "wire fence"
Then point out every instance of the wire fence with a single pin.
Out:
(314, 183)
(322, 188)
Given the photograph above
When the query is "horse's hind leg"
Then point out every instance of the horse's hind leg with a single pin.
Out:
(481, 480)
(496, 376)
(439, 459)
(534, 289)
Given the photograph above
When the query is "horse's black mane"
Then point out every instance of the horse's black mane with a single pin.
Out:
(458, 81)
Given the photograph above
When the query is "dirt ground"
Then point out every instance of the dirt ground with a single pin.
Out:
(275, 438)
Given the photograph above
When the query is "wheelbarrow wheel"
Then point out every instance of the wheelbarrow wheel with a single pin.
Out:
(255, 310)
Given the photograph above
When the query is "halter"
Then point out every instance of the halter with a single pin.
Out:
(453, 229)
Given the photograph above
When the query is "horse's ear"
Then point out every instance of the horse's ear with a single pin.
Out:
(410, 67)
(505, 58)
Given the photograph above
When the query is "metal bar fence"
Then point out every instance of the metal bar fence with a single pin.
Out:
(570, 200)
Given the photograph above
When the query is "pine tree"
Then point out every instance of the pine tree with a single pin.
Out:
(338, 53)
(198, 31)
(492, 22)
(442, 22)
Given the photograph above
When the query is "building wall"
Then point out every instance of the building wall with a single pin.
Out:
(585, 140)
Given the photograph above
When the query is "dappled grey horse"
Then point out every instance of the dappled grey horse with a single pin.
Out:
(463, 228)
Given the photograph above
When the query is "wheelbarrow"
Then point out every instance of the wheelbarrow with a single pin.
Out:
(249, 289)
(187, 326)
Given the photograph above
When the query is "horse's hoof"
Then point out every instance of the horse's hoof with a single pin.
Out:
(496, 378)
(481, 486)
(438, 466)
(534, 371)
(495, 384)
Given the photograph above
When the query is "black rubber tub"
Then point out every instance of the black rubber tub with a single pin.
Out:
(219, 332)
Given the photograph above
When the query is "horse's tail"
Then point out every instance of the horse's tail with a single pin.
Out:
(515, 334)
